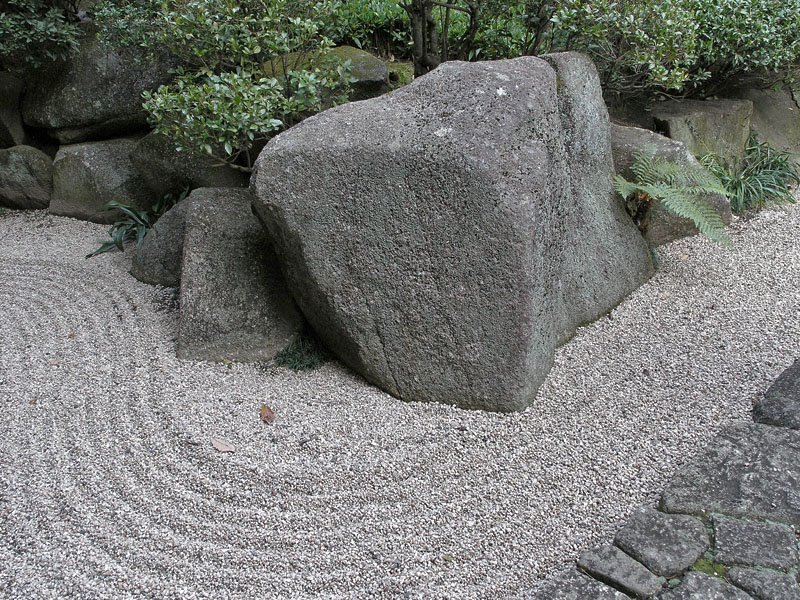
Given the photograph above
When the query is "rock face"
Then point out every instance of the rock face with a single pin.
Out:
(660, 226)
(776, 115)
(781, 403)
(87, 176)
(444, 239)
(719, 127)
(370, 73)
(11, 130)
(168, 171)
(95, 94)
(234, 302)
(158, 260)
(26, 178)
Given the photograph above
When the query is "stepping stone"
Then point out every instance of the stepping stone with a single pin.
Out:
(666, 544)
(611, 565)
(781, 404)
(696, 586)
(765, 584)
(572, 585)
(749, 543)
(748, 470)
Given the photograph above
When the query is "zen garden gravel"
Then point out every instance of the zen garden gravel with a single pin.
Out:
(113, 485)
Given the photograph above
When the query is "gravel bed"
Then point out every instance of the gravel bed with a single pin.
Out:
(110, 486)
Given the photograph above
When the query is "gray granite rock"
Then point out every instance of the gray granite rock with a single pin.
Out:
(370, 73)
(95, 94)
(659, 226)
(26, 178)
(748, 470)
(234, 304)
(750, 543)
(720, 127)
(573, 585)
(765, 584)
(165, 170)
(781, 403)
(158, 260)
(11, 131)
(611, 565)
(696, 586)
(665, 544)
(87, 176)
(445, 238)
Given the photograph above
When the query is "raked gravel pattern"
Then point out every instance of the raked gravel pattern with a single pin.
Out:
(110, 486)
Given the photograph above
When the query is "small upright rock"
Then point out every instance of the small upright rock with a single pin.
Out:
(612, 566)
(370, 73)
(666, 544)
(720, 127)
(87, 176)
(26, 178)
(158, 260)
(234, 304)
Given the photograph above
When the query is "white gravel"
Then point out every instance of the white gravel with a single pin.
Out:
(110, 487)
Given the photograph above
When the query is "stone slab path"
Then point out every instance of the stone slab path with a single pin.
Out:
(727, 525)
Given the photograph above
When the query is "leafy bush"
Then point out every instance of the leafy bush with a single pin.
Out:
(36, 32)
(135, 223)
(380, 26)
(678, 189)
(250, 69)
(764, 177)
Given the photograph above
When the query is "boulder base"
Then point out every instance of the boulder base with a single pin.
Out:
(445, 238)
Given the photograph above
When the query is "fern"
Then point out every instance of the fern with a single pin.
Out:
(678, 188)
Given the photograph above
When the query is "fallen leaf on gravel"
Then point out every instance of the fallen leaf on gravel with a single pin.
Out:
(222, 445)
(267, 414)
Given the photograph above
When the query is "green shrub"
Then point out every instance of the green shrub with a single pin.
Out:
(249, 69)
(677, 188)
(36, 32)
(379, 26)
(763, 179)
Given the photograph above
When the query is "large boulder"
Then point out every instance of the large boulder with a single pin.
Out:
(87, 176)
(168, 171)
(720, 127)
(95, 94)
(157, 260)
(26, 178)
(11, 129)
(659, 225)
(234, 304)
(445, 238)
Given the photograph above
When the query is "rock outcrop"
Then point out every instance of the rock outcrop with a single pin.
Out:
(445, 238)
(95, 94)
(720, 127)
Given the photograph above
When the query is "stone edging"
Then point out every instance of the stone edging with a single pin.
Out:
(727, 525)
